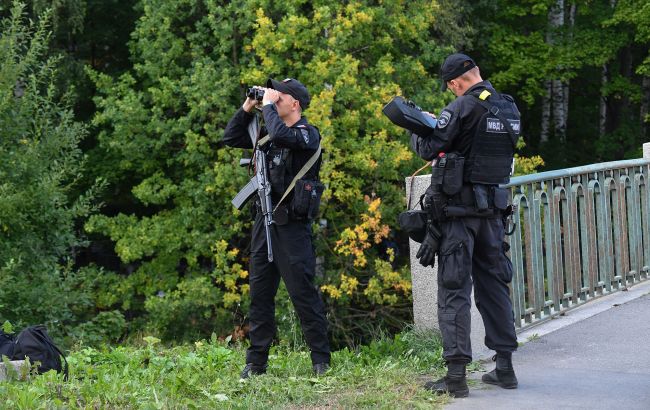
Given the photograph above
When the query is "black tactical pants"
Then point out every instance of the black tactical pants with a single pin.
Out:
(472, 252)
(294, 261)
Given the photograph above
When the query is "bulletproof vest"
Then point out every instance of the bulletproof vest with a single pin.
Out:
(279, 166)
(493, 147)
(283, 165)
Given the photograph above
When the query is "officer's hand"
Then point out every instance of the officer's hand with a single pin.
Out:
(271, 96)
(432, 115)
(429, 247)
(249, 104)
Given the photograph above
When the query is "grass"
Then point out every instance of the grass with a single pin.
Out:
(388, 374)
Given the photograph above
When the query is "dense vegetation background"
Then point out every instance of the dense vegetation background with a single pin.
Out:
(115, 188)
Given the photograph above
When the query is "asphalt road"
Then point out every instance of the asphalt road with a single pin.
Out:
(600, 362)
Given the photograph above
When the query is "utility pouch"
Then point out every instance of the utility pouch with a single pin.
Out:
(306, 199)
(281, 215)
(277, 168)
(501, 198)
(453, 174)
(414, 223)
(435, 202)
(481, 197)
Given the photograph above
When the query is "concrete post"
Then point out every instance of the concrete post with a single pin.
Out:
(425, 284)
(19, 366)
(646, 150)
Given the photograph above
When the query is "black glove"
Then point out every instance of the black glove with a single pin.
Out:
(429, 247)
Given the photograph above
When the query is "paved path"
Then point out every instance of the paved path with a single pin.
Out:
(601, 361)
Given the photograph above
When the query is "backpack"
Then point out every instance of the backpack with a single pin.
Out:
(35, 343)
(6, 345)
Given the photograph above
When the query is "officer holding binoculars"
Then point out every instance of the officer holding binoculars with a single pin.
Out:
(292, 145)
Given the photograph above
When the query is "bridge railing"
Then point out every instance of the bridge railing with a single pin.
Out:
(580, 233)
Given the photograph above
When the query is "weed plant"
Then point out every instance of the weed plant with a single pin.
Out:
(388, 373)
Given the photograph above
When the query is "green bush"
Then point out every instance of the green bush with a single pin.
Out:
(39, 164)
(160, 127)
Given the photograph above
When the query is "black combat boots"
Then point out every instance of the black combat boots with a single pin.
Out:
(253, 369)
(454, 383)
(504, 374)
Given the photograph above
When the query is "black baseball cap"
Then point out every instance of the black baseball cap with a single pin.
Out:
(454, 66)
(294, 88)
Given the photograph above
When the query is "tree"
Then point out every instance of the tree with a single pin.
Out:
(535, 50)
(40, 162)
(160, 129)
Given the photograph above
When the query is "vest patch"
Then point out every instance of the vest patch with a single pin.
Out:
(495, 126)
(444, 119)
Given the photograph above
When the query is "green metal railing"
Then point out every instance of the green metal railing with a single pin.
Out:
(580, 233)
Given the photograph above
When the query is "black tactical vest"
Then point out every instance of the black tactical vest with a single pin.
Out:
(283, 165)
(493, 147)
(279, 166)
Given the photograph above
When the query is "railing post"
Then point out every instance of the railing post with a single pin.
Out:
(646, 150)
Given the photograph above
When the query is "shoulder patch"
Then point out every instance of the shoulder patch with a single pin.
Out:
(444, 118)
(305, 135)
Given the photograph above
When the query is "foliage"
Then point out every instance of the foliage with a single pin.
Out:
(160, 127)
(159, 135)
(40, 163)
(526, 165)
(597, 39)
(84, 32)
(385, 374)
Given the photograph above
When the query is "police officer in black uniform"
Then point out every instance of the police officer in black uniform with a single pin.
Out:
(476, 132)
(292, 142)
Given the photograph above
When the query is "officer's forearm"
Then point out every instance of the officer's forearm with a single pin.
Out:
(236, 132)
(426, 147)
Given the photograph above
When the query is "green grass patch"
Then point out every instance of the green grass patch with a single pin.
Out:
(388, 373)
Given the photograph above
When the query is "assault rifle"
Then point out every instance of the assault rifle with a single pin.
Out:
(259, 183)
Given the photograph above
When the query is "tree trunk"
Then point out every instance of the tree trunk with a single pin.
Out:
(566, 85)
(602, 123)
(645, 104)
(559, 117)
(546, 112)
(605, 115)
(555, 89)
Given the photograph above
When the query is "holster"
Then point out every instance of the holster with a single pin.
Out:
(479, 201)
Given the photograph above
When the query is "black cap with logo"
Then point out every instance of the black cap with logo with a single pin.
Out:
(454, 66)
(292, 87)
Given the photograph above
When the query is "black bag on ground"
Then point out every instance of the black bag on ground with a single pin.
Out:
(6, 345)
(35, 343)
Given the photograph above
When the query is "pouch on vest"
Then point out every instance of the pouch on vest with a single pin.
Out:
(306, 199)
(481, 197)
(501, 196)
(277, 168)
(452, 181)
